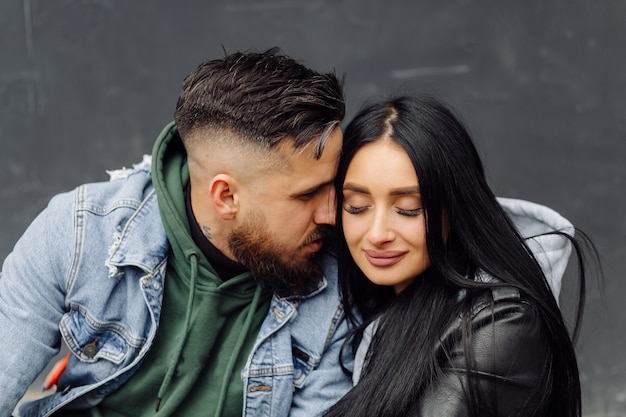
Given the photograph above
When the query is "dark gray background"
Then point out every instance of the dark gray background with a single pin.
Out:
(86, 86)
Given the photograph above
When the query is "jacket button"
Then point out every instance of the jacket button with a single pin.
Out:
(91, 349)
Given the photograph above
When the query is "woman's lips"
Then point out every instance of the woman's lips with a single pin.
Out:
(384, 258)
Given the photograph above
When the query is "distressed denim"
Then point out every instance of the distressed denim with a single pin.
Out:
(90, 271)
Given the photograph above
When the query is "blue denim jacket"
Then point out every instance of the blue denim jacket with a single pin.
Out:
(91, 267)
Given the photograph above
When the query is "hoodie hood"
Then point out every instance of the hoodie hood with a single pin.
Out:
(235, 308)
(551, 251)
(170, 175)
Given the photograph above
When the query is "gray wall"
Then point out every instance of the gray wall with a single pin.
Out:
(86, 86)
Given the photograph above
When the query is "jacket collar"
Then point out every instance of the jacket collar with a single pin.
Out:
(143, 242)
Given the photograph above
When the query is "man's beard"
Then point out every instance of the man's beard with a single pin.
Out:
(273, 266)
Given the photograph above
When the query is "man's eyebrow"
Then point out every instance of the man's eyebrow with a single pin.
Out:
(313, 189)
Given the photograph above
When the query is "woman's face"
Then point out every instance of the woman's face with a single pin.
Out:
(382, 215)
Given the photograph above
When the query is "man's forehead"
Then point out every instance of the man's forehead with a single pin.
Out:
(317, 147)
(303, 178)
(307, 171)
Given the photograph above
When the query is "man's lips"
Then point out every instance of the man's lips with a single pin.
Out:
(315, 245)
(384, 258)
(315, 240)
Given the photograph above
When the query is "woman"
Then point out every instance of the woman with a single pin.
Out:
(457, 316)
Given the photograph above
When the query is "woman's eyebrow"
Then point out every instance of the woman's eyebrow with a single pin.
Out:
(411, 190)
(405, 191)
(356, 188)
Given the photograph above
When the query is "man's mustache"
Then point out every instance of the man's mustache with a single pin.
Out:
(320, 232)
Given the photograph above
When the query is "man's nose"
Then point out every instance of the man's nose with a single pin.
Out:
(325, 211)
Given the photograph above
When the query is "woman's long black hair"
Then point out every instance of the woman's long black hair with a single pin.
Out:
(402, 360)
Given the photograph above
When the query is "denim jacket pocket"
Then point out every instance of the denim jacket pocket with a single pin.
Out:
(303, 364)
(103, 347)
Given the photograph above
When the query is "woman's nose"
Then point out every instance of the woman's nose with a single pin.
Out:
(381, 231)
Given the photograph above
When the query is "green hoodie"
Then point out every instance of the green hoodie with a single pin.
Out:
(207, 327)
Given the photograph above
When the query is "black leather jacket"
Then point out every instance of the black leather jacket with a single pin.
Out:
(510, 364)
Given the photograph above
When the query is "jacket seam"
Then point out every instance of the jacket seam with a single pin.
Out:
(79, 220)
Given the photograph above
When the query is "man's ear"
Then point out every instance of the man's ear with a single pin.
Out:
(222, 191)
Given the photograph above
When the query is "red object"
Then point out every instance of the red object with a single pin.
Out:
(55, 373)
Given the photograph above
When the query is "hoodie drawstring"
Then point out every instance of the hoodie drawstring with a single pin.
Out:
(240, 341)
(193, 259)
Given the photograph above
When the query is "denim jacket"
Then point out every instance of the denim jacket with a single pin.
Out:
(90, 269)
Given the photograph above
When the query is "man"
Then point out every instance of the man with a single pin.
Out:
(195, 283)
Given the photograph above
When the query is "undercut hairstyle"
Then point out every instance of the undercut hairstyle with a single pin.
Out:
(263, 98)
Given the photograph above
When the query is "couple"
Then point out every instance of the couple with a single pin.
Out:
(200, 282)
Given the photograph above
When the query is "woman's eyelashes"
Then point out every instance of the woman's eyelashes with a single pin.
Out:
(354, 210)
(411, 213)
(350, 209)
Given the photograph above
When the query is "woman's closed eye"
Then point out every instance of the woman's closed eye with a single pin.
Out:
(350, 209)
(410, 212)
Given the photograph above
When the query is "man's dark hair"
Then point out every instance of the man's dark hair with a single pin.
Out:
(263, 97)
